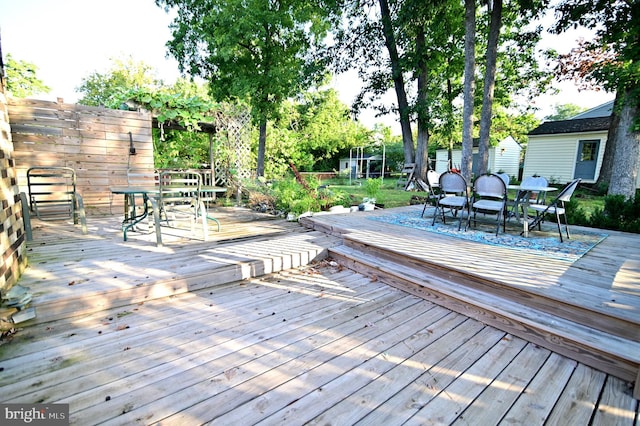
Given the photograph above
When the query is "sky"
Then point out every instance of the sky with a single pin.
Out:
(70, 39)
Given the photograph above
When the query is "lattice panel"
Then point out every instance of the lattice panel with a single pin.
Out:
(233, 145)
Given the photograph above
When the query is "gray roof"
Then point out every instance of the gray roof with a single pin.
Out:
(593, 120)
(572, 126)
(603, 110)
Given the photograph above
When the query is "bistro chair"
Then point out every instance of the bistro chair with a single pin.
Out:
(524, 197)
(53, 195)
(142, 177)
(180, 196)
(556, 207)
(431, 187)
(453, 195)
(489, 196)
(505, 178)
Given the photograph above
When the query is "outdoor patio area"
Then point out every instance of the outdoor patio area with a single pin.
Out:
(341, 319)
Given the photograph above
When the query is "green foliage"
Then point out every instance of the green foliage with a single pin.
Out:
(288, 196)
(372, 188)
(258, 51)
(517, 125)
(129, 84)
(291, 197)
(564, 112)
(311, 131)
(111, 88)
(178, 149)
(610, 59)
(21, 80)
(619, 213)
(394, 154)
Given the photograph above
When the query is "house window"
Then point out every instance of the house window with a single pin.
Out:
(589, 150)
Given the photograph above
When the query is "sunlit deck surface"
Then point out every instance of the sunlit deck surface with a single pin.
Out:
(259, 326)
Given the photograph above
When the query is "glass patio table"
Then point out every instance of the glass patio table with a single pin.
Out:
(149, 195)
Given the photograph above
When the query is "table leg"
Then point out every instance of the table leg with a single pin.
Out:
(132, 220)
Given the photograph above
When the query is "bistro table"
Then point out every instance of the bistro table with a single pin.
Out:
(149, 195)
(524, 191)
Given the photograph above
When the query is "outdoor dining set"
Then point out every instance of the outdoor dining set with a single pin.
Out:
(489, 195)
(166, 194)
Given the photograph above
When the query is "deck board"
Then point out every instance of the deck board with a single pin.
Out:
(314, 344)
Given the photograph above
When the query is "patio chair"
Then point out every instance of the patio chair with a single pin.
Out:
(142, 177)
(431, 187)
(180, 196)
(505, 178)
(528, 197)
(453, 195)
(53, 195)
(556, 207)
(489, 196)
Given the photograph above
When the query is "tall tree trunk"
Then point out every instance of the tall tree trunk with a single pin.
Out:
(604, 177)
(450, 134)
(398, 82)
(624, 174)
(469, 88)
(262, 143)
(489, 86)
(422, 148)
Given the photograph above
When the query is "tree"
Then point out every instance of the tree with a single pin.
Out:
(564, 112)
(107, 88)
(610, 60)
(469, 87)
(21, 80)
(495, 22)
(311, 132)
(431, 33)
(398, 81)
(255, 50)
(510, 63)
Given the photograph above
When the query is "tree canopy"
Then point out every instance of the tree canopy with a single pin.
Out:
(259, 51)
(21, 80)
(564, 112)
(611, 60)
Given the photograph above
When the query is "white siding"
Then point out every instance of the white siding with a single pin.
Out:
(503, 158)
(554, 156)
(506, 157)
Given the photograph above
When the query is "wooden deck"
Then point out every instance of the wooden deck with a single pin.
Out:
(258, 327)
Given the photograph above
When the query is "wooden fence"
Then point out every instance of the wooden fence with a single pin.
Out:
(94, 141)
(12, 236)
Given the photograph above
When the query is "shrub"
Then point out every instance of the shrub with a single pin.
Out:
(372, 187)
(618, 213)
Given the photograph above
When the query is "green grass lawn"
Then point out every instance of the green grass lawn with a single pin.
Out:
(391, 196)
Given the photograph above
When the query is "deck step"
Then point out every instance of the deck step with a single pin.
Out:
(595, 312)
(613, 354)
(223, 264)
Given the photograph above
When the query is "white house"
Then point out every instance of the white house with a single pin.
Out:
(567, 149)
(503, 158)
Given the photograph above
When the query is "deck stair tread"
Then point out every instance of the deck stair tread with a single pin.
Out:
(79, 289)
(569, 299)
(594, 347)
